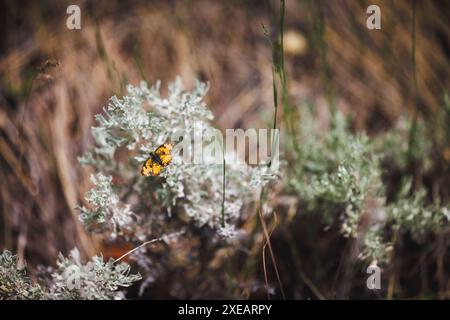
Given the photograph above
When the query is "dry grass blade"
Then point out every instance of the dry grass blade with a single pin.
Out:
(272, 256)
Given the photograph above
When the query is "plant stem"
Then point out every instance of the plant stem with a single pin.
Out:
(413, 129)
(161, 239)
(223, 190)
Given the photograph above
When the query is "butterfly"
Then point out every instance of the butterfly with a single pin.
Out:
(157, 160)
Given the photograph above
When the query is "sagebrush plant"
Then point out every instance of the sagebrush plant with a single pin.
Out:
(139, 122)
(123, 204)
(71, 279)
(14, 281)
(339, 175)
(94, 280)
(412, 213)
(187, 196)
(337, 171)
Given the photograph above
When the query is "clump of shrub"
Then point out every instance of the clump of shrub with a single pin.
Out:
(339, 175)
(70, 280)
(186, 198)
(137, 124)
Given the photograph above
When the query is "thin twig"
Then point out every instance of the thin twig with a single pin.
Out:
(272, 256)
(223, 189)
(161, 239)
(266, 279)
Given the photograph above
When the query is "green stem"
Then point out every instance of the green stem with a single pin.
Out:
(223, 190)
(413, 129)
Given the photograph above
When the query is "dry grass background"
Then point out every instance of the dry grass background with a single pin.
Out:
(45, 115)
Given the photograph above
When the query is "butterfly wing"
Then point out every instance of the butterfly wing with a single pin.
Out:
(147, 168)
(150, 167)
(156, 168)
(165, 159)
(164, 149)
(163, 152)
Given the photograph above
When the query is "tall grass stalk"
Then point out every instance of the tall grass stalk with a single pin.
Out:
(318, 17)
(413, 129)
(277, 69)
(223, 188)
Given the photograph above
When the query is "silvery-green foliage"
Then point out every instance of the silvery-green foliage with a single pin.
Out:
(106, 208)
(94, 280)
(338, 175)
(71, 280)
(337, 172)
(200, 188)
(412, 213)
(14, 282)
(394, 145)
(375, 247)
(141, 121)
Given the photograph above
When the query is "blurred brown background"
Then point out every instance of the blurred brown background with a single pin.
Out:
(46, 110)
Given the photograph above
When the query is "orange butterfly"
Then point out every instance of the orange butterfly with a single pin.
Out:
(157, 160)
